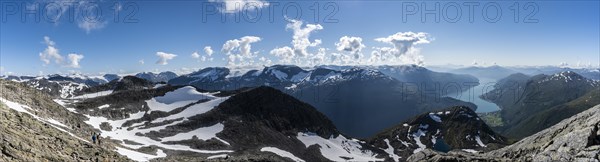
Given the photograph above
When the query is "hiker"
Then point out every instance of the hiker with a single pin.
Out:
(99, 138)
(94, 138)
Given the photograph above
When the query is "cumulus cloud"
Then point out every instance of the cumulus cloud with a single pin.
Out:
(141, 62)
(234, 6)
(195, 55)
(51, 54)
(208, 50)
(239, 52)
(164, 57)
(74, 60)
(350, 44)
(300, 43)
(353, 46)
(404, 49)
(206, 57)
(286, 54)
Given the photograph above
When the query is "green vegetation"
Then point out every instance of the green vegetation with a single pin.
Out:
(492, 119)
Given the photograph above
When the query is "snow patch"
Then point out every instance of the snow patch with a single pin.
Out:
(470, 151)
(203, 133)
(220, 156)
(435, 117)
(390, 151)
(138, 156)
(281, 153)
(478, 139)
(103, 106)
(93, 95)
(175, 99)
(339, 148)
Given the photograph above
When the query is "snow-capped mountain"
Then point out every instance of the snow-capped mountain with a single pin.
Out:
(345, 96)
(62, 86)
(160, 77)
(204, 78)
(589, 73)
(456, 128)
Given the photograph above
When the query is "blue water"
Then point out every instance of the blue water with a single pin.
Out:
(472, 95)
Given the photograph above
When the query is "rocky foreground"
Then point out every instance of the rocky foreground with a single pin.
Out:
(24, 138)
(573, 139)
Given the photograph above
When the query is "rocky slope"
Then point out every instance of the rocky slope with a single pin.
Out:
(454, 128)
(573, 139)
(34, 128)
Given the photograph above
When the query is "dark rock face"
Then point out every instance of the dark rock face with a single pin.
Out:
(132, 83)
(279, 111)
(259, 117)
(123, 102)
(111, 77)
(458, 127)
(123, 84)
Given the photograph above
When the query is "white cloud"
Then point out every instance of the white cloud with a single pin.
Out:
(404, 50)
(352, 45)
(208, 50)
(89, 25)
(300, 42)
(50, 53)
(229, 46)
(265, 61)
(141, 62)
(74, 60)
(563, 64)
(239, 52)
(300, 39)
(89, 20)
(195, 55)
(286, 54)
(164, 57)
(234, 6)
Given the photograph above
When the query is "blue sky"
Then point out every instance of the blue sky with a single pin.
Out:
(565, 32)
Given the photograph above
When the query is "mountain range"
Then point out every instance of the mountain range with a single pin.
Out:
(288, 113)
(532, 103)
